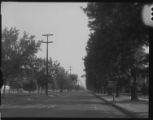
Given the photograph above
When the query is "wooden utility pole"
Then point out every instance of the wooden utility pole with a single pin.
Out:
(47, 35)
(70, 69)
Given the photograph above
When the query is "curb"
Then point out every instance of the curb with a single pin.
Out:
(125, 111)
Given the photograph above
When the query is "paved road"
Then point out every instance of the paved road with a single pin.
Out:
(74, 105)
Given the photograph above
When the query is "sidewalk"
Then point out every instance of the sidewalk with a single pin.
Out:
(138, 108)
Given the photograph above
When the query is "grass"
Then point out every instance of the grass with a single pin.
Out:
(25, 99)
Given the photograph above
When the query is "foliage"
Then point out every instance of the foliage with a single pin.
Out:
(74, 78)
(65, 80)
(15, 84)
(29, 86)
(16, 53)
(23, 69)
(61, 78)
(117, 33)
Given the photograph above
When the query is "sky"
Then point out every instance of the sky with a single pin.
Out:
(66, 21)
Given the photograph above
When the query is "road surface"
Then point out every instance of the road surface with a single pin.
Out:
(76, 104)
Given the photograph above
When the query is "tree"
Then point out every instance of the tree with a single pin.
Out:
(38, 67)
(117, 32)
(16, 52)
(53, 71)
(41, 72)
(15, 83)
(41, 80)
(61, 78)
(29, 86)
(65, 80)
(74, 79)
(9, 39)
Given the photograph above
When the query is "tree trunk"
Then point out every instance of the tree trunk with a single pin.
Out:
(117, 91)
(4, 90)
(133, 92)
(134, 87)
(109, 91)
(38, 90)
(144, 89)
(97, 89)
(104, 90)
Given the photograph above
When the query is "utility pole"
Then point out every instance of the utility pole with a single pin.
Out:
(47, 35)
(70, 69)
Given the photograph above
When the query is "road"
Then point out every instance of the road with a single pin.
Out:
(76, 104)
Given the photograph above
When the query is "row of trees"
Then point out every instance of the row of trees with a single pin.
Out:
(21, 68)
(115, 49)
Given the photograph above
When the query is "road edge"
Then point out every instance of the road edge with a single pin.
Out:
(125, 111)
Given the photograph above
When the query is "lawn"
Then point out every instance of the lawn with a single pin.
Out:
(27, 99)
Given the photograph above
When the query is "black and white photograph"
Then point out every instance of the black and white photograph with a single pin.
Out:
(75, 59)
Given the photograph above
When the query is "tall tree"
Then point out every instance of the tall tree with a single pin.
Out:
(117, 32)
(16, 52)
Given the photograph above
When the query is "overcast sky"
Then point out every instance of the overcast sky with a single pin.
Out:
(66, 21)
